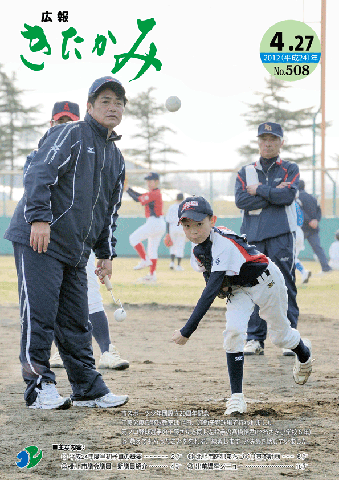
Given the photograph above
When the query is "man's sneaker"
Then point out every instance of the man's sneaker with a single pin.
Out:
(301, 371)
(48, 398)
(236, 404)
(112, 359)
(143, 264)
(179, 268)
(253, 347)
(171, 265)
(107, 401)
(324, 272)
(56, 361)
(305, 276)
(287, 352)
(148, 279)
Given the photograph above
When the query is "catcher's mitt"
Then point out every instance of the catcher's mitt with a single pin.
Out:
(167, 240)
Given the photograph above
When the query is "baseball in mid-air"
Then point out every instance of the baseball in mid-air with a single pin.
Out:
(120, 315)
(173, 104)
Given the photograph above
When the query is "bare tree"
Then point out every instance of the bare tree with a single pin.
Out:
(153, 148)
(17, 131)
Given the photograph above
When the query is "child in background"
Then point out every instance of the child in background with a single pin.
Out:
(176, 234)
(152, 230)
(334, 253)
(300, 245)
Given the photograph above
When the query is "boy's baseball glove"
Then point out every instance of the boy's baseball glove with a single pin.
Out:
(167, 240)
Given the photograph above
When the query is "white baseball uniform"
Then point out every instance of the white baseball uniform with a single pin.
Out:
(155, 226)
(152, 231)
(94, 296)
(299, 241)
(334, 255)
(176, 232)
(229, 255)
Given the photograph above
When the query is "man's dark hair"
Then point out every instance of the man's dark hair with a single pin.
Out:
(115, 87)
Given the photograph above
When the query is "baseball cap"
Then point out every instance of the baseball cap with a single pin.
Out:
(99, 82)
(272, 128)
(195, 208)
(68, 109)
(152, 176)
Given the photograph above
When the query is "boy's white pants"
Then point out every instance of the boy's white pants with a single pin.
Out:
(94, 296)
(178, 237)
(152, 230)
(299, 241)
(271, 297)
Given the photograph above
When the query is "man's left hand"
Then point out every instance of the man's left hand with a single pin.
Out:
(284, 184)
(104, 267)
(252, 189)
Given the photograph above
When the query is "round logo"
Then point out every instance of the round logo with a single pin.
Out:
(290, 50)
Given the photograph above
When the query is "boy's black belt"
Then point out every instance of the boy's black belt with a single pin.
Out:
(256, 281)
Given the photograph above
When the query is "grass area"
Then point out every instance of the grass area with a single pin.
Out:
(134, 209)
(319, 297)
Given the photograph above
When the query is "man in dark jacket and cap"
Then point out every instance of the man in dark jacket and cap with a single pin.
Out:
(310, 227)
(72, 192)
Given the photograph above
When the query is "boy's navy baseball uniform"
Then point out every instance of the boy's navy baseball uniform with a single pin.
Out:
(269, 221)
(238, 271)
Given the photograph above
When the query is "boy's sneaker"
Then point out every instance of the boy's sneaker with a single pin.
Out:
(253, 347)
(301, 371)
(171, 265)
(107, 401)
(236, 404)
(55, 361)
(143, 264)
(179, 268)
(287, 352)
(305, 276)
(48, 398)
(148, 279)
(112, 359)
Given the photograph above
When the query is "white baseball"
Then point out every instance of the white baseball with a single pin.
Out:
(120, 315)
(173, 104)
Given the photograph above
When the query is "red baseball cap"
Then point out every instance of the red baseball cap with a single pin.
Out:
(68, 109)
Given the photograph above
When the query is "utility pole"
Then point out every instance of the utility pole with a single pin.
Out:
(323, 121)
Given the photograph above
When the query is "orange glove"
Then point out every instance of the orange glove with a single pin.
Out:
(167, 240)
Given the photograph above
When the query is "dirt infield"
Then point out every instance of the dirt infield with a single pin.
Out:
(175, 413)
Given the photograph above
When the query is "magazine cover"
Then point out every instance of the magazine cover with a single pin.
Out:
(169, 232)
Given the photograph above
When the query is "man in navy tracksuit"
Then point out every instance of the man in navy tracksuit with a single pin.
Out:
(73, 188)
(265, 191)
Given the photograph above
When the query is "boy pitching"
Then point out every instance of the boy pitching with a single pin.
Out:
(237, 271)
(152, 230)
